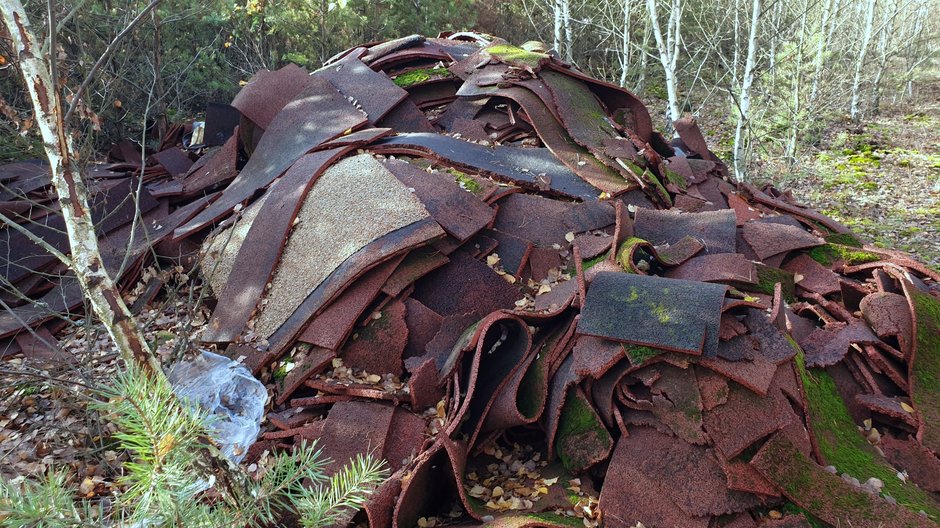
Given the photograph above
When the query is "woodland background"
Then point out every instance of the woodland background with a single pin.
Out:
(836, 99)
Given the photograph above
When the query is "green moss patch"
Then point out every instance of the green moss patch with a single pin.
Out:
(626, 251)
(414, 77)
(640, 354)
(582, 439)
(516, 56)
(532, 388)
(676, 179)
(829, 253)
(925, 368)
(588, 264)
(845, 239)
(768, 277)
(825, 495)
(465, 181)
(841, 445)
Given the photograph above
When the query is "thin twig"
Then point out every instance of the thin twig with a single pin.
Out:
(36, 240)
(103, 59)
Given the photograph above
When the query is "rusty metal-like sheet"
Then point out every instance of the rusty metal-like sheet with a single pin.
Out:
(513, 251)
(315, 360)
(626, 108)
(689, 476)
(828, 346)
(812, 275)
(922, 466)
(465, 286)
(719, 267)
(334, 325)
(417, 264)
(325, 234)
(746, 418)
(174, 160)
(771, 239)
(256, 260)
(801, 212)
(714, 229)
(218, 167)
(669, 314)
(376, 252)
(579, 159)
(67, 296)
(888, 314)
(357, 139)
(377, 346)
(406, 117)
(268, 92)
(676, 402)
(319, 114)
(373, 91)
(533, 218)
(692, 136)
(826, 495)
(518, 165)
(112, 207)
(459, 212)
(355, 428)
(594, 356)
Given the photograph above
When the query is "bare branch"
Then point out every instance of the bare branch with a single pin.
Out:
(105, 57)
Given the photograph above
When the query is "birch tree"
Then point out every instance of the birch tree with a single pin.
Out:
(41, 80)
(744, 95)
(854, 110)
(668, 48)
(824, 34)
(625, 44)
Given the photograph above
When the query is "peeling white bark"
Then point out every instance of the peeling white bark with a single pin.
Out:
(744, 96)
(668, 48)
(854, 110)
(86, 261)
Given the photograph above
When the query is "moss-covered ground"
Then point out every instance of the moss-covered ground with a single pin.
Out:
(881, 178)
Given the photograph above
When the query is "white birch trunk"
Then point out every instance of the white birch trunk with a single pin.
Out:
(744, 99)
(790, 152)
(557, 36)
(625, 42)
(884, 39)
(566, 22)
(87, 264)
(821, 48)
(668, 52)
(854, 110)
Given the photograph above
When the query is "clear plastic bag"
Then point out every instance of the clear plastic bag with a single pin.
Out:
(229, 392)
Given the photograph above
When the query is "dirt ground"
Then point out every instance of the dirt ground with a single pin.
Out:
(881, 178)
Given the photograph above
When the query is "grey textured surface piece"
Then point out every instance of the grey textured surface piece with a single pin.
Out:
(331, 226)
(670, 314)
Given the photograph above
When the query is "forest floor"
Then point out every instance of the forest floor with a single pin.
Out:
(881, 178)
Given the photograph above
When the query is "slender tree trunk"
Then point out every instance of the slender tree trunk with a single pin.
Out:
(668, 52)
(566, 20)
(86, 260)
(854, 110)
(640, 85)
(736, 48)
(821, 48)
(159, 90)
(795, 117)
(557, 29)
(744, 99)
(625, 42)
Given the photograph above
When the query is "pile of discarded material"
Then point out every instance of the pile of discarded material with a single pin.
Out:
(486, 267)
